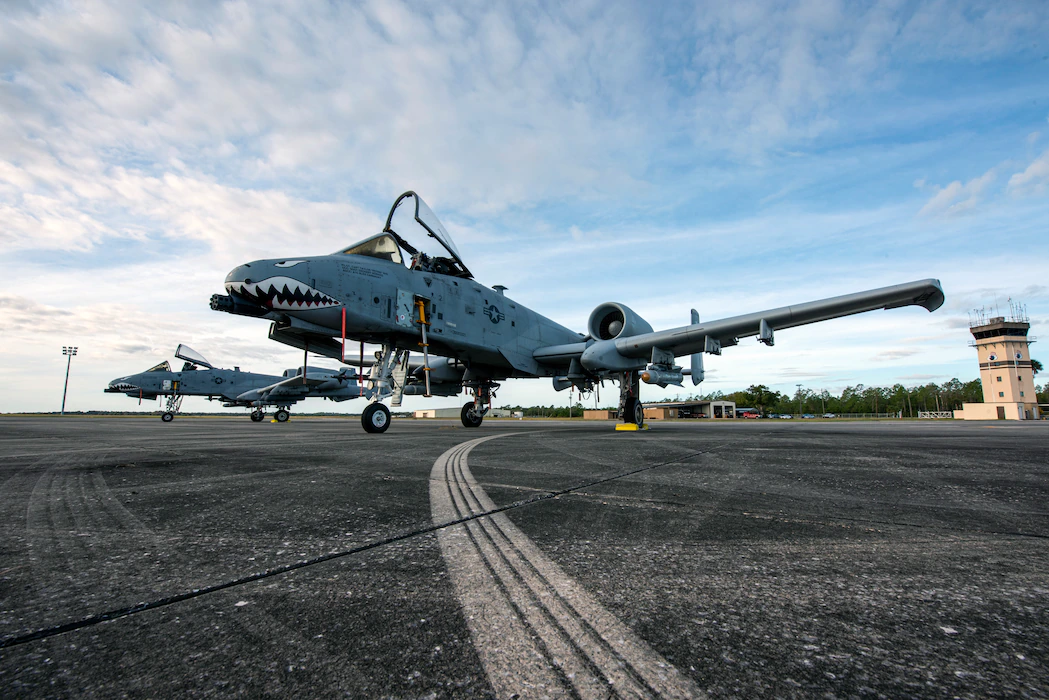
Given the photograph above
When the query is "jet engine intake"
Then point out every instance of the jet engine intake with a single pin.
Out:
(612, 320)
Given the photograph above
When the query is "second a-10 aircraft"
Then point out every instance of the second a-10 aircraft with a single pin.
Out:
(198, 377)
(409, 290)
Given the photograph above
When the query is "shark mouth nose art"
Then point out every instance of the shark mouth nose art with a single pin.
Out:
(282, 293)
(122, 386)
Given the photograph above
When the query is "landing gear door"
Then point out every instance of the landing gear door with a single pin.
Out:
(405, 310)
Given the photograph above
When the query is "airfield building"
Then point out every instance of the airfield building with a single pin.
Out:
(1003, 348)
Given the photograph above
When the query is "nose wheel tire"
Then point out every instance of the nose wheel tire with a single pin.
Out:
(376, 418)
(167, 416)
(257, 416)
(282, 416)
(469, 418)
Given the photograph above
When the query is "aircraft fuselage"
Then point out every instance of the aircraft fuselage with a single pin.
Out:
(478, 325)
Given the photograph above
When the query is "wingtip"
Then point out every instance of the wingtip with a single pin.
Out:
(933, 296)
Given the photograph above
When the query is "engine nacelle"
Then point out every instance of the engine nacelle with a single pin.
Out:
(612, 320)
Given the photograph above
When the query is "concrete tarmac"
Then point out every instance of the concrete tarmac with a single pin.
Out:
(220, 557)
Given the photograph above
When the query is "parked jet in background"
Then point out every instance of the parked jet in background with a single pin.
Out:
(409, 288)
(235, 388)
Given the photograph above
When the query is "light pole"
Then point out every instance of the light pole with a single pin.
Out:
(799, 400)
(68, 352)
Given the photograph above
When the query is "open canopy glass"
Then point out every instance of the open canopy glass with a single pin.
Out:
(413, 228)
(185, 352)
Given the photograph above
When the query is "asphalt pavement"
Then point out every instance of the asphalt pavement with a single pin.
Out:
(220, 557)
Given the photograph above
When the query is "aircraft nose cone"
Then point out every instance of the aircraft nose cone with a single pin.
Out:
(283, 284)
(238, 274)
(120, 386)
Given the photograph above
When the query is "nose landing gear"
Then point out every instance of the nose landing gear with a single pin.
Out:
(375, 418)
(171, 408)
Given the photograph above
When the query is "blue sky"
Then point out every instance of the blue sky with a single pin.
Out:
(724, 156)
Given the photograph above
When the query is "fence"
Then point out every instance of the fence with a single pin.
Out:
(936, 414)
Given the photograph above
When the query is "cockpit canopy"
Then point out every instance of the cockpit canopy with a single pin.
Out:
(416, 238)
(384, 246)
(191, 356)
(162, 367)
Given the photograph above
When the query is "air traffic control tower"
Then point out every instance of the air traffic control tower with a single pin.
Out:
(1003, 347)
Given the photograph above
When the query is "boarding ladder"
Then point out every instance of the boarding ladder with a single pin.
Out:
(420, 305)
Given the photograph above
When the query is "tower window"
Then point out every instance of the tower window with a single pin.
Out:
(1021, 393)
(999, 379)
(1001, 393)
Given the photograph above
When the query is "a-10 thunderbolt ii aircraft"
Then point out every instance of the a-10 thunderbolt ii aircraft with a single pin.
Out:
(409, 288)
(235, 388)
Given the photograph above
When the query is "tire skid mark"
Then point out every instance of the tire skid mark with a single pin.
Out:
(513, 547)
(535, 628)
(112, 505)
(532, 658)
(564, 630)
(69, 508)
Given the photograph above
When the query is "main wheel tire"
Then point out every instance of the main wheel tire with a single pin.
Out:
(167, 416)
(635, 412)
(469, 418)
(282, 416)
(375, 418)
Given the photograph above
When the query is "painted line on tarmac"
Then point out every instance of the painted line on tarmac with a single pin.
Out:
(537, 631)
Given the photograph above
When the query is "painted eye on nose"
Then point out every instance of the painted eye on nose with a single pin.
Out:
(247, 280)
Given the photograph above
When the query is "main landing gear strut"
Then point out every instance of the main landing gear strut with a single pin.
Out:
(474, 412)
(631, 411)
(281, 416)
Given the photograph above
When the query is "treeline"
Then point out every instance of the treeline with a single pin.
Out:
(862, 399)
(907, 401)
(551, 411)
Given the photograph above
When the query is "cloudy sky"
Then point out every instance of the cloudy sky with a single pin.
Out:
(725, 156)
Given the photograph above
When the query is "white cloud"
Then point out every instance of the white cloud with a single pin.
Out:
(957, 198)
(1034, 179)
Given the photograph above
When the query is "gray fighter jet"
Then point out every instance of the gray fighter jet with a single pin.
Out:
(235, 388)
(409, 289)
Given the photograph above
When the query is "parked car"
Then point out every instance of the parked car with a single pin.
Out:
(751, 414)
(808, 415)
(772, 415)
(829, 415)
(786, 415)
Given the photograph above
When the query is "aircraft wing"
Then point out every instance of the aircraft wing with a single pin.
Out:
(294, 386)
(617, 353)
(693, 338)
(286, 388)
